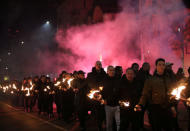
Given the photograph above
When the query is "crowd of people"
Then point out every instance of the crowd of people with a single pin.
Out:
(119, 99)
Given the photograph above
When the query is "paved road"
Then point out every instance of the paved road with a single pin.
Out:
(12, 119)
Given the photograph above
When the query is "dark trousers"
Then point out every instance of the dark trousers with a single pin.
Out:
(100, 116)
(82, 115)
(189, 118)
(27, 103)
(161, 118)
(130, 117)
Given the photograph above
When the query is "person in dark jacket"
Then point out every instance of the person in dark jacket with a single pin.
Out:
(135, 67)
(95, 80)
(141, 77)
(157, 92)
(118, 72)
(111, 97)
(130, 92)
(81, 90)
(187, 95)
(42, 103)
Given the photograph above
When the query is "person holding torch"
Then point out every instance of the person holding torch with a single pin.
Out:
(110, 94)
(130, 92)
(156, 94)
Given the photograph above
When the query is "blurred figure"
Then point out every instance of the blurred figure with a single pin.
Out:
(180, 74)
(95, 80)
(130, 91)
(118, 72)
(111, 96)
(135, 67)
(156, 94)
(81, 102)
(141, 77)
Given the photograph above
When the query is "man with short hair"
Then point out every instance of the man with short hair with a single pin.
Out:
(156, 93)
(81, 90)
(110, 94)
(95, 80)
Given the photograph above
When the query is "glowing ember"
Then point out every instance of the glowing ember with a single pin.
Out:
(101, 88)
(124, 103)
(177, 92)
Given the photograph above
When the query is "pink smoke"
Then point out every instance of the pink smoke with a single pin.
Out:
(118, 40)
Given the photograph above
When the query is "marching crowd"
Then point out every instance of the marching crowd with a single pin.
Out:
(116, 98)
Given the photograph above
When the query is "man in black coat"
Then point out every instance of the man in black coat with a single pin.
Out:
(142, 75)
(111, 97)
(95, 80)
(81, 90)
(130, 92)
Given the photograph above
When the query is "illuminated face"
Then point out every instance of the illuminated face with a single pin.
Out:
(81, 76)
(98, 65)
(111, 71)
(160, 67)
(130, 75)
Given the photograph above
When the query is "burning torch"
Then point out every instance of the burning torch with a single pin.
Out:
(95, 95)
(124, 103)
(177, 94)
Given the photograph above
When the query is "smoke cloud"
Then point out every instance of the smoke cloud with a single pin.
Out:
(121, 41)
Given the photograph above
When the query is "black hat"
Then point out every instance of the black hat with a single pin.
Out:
(81, 72)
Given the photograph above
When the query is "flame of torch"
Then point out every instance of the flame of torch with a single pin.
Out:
(124, 103)
(69, 82)
(177, 92)
(101, 88)
(14, 86)
(22, 88)
(92, 92)
(31, 86)
(63, 80)
(12, 92)
(28, 92)
(48, 87)
(45, 89)
(58, 83)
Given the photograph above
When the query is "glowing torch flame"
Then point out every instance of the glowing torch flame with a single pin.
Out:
(31, 86)
(124, 103)
(22, 88)
(69, 82)
(12, 92)
(177, 92)
(92, 93)
(28, 92)
(58, 83)
(101, 88)
(14, 86)
(45, 89)
(63, 80)
(48, 87)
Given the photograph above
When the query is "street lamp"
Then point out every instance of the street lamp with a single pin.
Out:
(47, 22)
